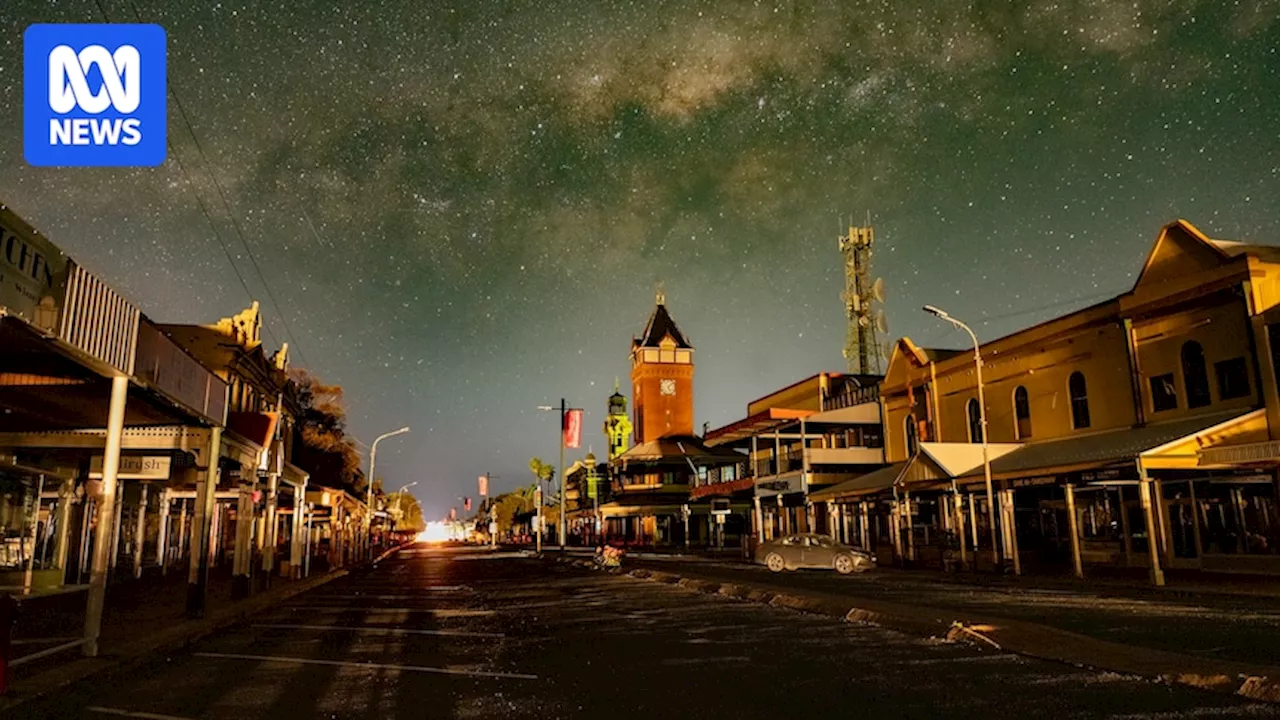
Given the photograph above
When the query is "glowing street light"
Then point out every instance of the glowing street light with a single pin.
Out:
(982, 415)
(373, 459)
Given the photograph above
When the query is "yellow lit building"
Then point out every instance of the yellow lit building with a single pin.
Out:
(1155, 409)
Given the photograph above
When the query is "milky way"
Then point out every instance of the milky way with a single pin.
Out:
(462, 211)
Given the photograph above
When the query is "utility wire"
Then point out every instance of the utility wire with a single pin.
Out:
(235, 223)
(1097, 296)
(204, 210)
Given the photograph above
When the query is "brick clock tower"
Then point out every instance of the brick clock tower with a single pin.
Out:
(662, 378)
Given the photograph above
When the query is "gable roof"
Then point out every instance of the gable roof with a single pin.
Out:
(660, 326)
(1179, 248)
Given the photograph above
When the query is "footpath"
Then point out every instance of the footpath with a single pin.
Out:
(141, 619)
(1018, 620)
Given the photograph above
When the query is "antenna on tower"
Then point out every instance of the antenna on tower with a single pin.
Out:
(862, 296)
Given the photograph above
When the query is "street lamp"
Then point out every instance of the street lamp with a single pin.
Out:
(563, 525)
(373, 459)
(982, 416)
(400, 493)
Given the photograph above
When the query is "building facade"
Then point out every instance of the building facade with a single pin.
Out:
(1133, 434)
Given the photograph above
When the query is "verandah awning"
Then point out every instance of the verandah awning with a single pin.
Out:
(759, 424)
(868, 484)
(1087, 452)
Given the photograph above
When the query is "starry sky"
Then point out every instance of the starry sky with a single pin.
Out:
(461, 208)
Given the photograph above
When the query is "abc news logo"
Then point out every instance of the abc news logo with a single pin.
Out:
(69, 89)
(95, 95)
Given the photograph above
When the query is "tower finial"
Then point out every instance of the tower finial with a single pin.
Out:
(617, 386)
(660, 291)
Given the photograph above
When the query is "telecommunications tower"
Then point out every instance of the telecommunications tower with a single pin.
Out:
(862, 296)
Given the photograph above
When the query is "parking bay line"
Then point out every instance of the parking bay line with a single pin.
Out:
(376, 597)
(367, 666)
(388, 630)
(130, 713)
(370, 610)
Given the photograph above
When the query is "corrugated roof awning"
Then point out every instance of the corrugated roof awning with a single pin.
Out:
(872, 482)
(1096, 450)
(758, 424)
(679, 449)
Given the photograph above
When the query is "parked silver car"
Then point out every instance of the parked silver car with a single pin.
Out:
(807, 550)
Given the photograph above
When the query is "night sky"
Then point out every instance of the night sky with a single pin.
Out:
(463, 211)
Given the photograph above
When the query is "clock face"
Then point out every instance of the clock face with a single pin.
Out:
(668, 387)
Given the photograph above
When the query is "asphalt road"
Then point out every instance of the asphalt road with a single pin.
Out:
(1244, 629)
(471, 634)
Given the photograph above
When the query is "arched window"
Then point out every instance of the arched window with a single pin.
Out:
(1079, 400)
(1022, 412)
(975, 421)
(1195, 374)
(912, 439)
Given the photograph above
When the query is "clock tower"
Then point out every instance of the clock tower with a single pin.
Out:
(662, 378)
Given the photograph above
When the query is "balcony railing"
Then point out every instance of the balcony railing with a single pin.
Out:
(851, 395)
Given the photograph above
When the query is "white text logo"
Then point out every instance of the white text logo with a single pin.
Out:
(69, 82)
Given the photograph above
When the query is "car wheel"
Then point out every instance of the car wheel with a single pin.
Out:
(775, 562)
(844, 564)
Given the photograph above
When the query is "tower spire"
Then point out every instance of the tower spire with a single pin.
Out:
(660, 293)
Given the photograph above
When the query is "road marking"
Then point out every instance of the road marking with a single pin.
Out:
(348, 608)
(394, 631)
(132, 714)
(372, 597)
(369, 666)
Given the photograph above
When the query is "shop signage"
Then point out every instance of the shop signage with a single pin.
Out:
(160, 362)
(1032, 482)
(780, 486)
(33, 274)
(135, 468)
(1108, 474)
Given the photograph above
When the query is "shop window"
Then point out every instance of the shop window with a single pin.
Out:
(1233, 378)
(1194, 375)
(1022, 412)
(912, 438)
(1164, 394)
(1079, 400)
(975, 421)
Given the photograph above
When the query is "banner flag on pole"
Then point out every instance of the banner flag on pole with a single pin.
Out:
(573, 429)
(484, 485)
(467, 504)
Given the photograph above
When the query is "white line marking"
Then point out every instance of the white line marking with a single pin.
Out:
(132, 714)
(371, 666)
(390, 630)
(437, 613)
(375, 597)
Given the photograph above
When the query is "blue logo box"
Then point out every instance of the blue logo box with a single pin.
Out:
(94, 95)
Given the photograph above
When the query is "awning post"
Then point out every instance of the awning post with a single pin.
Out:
(1153, 549)
(1073, 526)
(106, 510)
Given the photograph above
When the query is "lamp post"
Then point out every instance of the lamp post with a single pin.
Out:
(563, 524)
(368, 505)
(982, 421)
(400, 494)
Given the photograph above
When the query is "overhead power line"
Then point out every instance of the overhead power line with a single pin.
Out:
(204, 210)
(235, 223)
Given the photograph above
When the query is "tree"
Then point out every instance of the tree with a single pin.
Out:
(321, 446)
(542, 471)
